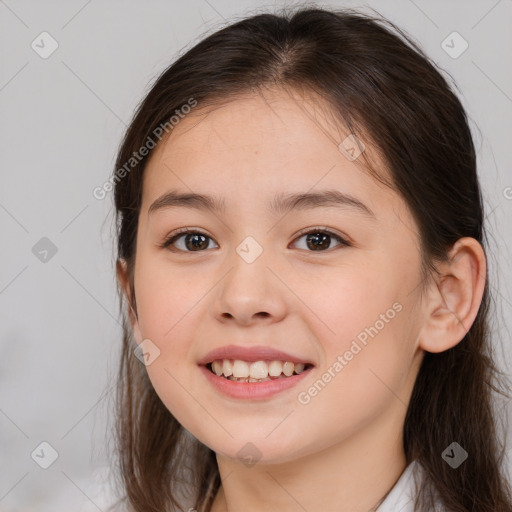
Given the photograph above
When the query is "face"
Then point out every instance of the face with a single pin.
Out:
(332, 284)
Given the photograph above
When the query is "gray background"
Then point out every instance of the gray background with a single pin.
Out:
(62, 119)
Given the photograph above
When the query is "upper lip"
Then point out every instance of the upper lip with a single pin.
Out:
(255, 353)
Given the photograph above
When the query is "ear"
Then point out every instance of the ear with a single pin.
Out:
(454, 296)
(129, 295)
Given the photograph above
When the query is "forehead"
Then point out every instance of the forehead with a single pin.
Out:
(258, 145)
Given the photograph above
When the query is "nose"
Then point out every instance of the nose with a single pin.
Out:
(250, 293)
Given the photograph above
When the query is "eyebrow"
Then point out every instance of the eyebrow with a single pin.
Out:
(282, 203)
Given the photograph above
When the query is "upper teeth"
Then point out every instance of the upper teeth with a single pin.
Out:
(256, 369)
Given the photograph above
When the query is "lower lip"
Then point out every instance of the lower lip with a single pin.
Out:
(248, 390)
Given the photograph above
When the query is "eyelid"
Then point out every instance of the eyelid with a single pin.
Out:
(325, 229)
(343, 239)
(173, 236)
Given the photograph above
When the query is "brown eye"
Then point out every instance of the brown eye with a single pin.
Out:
(320, 240)
(317, 240)
(193, 241)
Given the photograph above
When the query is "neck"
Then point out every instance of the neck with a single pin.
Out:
(353, 475)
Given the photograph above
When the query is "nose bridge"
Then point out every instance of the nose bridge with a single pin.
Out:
(249, 249)
(249, 290)
(249, 267)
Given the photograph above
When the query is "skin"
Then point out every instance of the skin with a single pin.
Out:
(342, 450)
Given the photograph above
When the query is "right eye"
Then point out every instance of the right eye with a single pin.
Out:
(194, 240)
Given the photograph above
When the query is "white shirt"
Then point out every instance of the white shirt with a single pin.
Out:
(401, 496)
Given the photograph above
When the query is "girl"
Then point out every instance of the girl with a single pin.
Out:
(300, 247)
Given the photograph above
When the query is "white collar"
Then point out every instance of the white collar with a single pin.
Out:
(401, 496)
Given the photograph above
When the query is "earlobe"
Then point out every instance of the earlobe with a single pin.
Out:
(455, 296)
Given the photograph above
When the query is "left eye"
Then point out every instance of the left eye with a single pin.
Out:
(196, 241)
(317, 239)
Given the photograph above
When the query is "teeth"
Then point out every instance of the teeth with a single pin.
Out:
(227, 368)
(248, 379)
(217, 367)
(240, 369)
(275, 368)
(257, 371)
(288, 368)
(299, 368)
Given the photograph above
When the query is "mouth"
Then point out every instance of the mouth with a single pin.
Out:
(253, 372)
(256, 371)
(254, 380)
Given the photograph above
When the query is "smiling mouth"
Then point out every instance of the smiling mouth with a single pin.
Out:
(256, 371)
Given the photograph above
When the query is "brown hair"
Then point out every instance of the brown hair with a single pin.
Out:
(380, 84)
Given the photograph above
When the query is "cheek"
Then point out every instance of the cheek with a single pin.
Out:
(167, 305)
(165, 296)
(367, 349)
(164, 309)
(358, 299)
(374, 301)
(358, 383)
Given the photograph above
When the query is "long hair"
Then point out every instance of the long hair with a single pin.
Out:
(381, 85)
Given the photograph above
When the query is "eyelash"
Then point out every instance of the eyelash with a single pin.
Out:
(315, 230)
